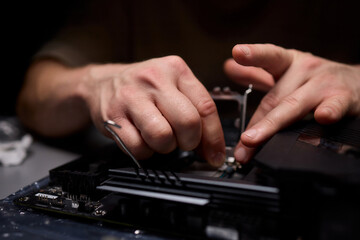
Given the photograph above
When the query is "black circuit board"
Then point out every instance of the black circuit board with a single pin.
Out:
(109, 208)
(54, 199)
(165, 217)
(73, 192)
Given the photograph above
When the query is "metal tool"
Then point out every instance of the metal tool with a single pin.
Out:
(118, 139)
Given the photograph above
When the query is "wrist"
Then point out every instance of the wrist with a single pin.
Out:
(78, 83)
(51, 102)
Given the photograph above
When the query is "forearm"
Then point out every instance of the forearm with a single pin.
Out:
(50, 102)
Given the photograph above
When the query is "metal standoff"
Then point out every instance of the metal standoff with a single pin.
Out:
(243, 112)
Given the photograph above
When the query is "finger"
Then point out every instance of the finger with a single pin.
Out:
(131, 137)
(290, 80)
(182, 116)
(243, 153)
(244, 75)
(212, 141)
(153, 127)
(332, 109)
(288, 84)
(273, 59)
(290, 109)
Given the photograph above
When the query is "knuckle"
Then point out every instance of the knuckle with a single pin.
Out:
(190, 144)
(270, 122)
(269, 102)
(217, 140)
(276, 50)
(149, 76)
(279, 53)
(175, 60)
(163, 133)
(189, 132)
(117, 116)
(336, 107)
(310, 62)
(292, 101)
(190, 121)
(161, 139)
(270, 45)
(206, 107)
(156, 131)
(148, 72)
(294, 52)
(167, 147)
(176, 63)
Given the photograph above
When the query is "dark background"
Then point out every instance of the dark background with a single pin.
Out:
(26, 26)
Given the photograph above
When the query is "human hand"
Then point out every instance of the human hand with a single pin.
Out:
(159, 104)
(297, 83)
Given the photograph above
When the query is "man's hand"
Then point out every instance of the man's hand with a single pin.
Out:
(298, 83)
(159, 104)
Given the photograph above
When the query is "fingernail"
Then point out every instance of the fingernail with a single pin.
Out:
(240, 154)
(245, 50)
(218, 158)
(251, 133)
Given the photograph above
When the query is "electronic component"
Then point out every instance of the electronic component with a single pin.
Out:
(232, 111)
(166, 200)
(304, 183)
